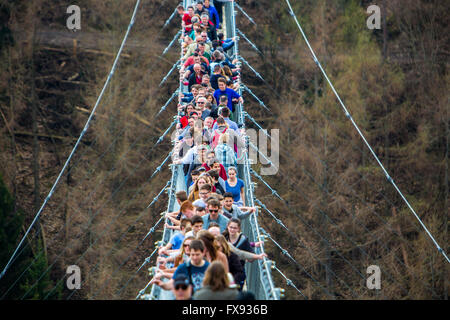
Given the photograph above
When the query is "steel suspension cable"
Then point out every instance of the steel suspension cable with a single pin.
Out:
(91, 219)
(348, 115)
(93, 192)
(87, 174)
(98, 238)
(86, 126)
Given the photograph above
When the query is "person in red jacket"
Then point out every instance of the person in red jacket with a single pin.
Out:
(184, 119)
(210, 158)
(187, 23)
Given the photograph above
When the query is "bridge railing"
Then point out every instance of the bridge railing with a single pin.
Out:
(177, 184)
(259, 278)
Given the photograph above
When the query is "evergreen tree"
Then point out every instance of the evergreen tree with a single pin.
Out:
(26, 277)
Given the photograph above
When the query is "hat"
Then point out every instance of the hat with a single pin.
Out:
(180, 280)
(199, 203)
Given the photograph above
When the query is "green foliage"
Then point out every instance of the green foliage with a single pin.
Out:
(10, 223)
(352, 25)
(28, 268)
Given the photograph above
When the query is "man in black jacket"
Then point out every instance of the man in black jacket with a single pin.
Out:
(196, 77)
(200, 9)
(210, 28)
(216, 75)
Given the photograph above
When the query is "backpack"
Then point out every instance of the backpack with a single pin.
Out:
(215, 140)
(189, 273)
(240, 240)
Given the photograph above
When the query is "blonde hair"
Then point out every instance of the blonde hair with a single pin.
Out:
(224, 138)
(179, 258)
(224, 243)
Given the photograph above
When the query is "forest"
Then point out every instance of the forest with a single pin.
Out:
(342, 212)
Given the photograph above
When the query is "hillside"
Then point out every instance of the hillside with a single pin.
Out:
(343, 214)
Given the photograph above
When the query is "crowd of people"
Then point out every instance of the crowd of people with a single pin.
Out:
(206, 255)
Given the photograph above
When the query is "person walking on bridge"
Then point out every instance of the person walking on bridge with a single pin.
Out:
(213, 14)
(194, 269)
(186, 19)
(213, 208)
(216, 285)
(236, 187)
(230, 93)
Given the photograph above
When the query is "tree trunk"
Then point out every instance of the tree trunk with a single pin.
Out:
(325, 224)
(36, 191)
(446, 204)
(402, 245)
(13, 137)
(383, 17)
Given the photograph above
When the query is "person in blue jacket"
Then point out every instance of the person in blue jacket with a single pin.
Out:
(218, 5)
(230, 93)
(213, 15)
(226, 44)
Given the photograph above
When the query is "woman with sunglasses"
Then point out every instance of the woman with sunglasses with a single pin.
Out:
(181, 257)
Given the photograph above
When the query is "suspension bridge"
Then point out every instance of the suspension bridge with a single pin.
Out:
(260, 273)
(259, 279)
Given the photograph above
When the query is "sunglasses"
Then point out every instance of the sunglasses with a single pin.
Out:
(185, 245)
(213, 210)
(181, 286)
